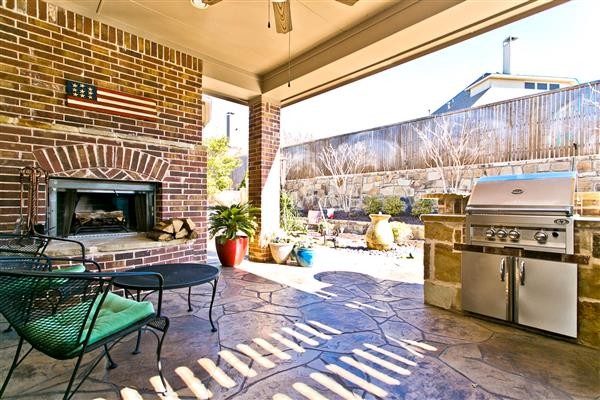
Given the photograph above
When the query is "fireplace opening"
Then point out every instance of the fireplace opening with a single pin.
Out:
(93, 207)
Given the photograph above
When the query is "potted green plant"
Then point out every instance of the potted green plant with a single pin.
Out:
(232, 227)
(281, 247)
(305, 253)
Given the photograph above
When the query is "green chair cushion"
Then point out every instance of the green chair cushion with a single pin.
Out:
(117, 313)
(71, 268)
(59, 335)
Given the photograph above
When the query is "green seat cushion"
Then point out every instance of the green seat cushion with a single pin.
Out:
(58, 334)
(71, 268)
(117, 313)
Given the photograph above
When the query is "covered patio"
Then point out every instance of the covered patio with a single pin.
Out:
(352, 327)
(356, 337)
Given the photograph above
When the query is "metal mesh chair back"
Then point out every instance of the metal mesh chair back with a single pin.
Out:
(21, 245)
(25, 264)
(52, 313)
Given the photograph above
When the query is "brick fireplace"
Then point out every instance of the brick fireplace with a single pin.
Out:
(44, 45)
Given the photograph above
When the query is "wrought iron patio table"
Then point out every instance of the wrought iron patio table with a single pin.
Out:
(175, 276)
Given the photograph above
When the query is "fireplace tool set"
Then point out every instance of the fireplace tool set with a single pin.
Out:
(31, 180)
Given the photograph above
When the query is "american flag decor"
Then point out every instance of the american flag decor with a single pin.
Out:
(92, 98)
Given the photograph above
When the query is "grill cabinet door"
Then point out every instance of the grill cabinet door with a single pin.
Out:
(546, 294)
(485, 284)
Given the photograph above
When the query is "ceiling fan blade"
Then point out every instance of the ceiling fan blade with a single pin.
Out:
(348, 2)
(283, 16)
(210, 2)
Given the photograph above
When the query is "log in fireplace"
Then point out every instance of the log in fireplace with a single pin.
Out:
(90, 207)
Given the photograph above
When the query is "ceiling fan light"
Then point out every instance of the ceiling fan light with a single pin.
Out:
(199, 4)
(278, 1)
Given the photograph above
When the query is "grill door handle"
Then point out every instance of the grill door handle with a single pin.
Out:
(502, 269)
(522, 273)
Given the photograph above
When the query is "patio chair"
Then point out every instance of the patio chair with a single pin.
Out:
(26, 262)
(33, 244)
(66, 315)
(12, 244)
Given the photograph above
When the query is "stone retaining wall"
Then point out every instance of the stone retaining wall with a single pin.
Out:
(442, 270)
(360, 227)
(418, 182)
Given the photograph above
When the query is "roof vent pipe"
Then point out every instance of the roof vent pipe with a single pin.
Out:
(506, 55)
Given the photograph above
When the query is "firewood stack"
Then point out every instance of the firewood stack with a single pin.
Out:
(176, 228)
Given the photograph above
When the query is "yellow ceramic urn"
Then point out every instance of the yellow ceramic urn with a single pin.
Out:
(379, 234)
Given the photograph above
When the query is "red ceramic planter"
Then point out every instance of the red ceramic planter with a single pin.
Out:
(232, 252)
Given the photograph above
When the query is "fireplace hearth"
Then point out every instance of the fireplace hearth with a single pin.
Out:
(93, 207)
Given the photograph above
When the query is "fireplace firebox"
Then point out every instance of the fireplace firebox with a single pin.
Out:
(92, 207)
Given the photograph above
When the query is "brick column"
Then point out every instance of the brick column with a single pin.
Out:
(263, 171)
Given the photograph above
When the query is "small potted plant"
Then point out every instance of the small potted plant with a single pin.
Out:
(281, 247)
(232, 227)
(305, 253)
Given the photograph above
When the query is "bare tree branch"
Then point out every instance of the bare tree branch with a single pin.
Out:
(342, 163)
(448, 146)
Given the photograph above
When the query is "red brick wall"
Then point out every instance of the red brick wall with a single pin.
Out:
(42, 45)
(263, 144)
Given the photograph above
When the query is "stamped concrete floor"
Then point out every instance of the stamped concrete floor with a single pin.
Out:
(361, 337)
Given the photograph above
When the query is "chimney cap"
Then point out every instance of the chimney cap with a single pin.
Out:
(509, 39)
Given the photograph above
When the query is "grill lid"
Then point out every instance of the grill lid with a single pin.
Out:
(547, 193)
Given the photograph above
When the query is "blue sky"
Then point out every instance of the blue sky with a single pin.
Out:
(562, 41)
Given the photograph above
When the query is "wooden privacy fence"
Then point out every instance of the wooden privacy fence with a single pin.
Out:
(533, 127)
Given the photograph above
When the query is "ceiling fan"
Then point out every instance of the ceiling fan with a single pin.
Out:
(281, 10)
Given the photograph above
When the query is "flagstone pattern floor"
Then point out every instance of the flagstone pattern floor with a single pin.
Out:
(359, 338)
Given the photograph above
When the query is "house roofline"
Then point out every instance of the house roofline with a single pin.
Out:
(512, 77)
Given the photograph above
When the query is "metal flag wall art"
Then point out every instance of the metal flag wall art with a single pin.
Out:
(93, 98)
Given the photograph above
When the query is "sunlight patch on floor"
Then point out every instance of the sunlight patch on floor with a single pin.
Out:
(325, 327)
(272, 349)
(381, 362)
(349, 376)
(238, 364)
(331, 260)
(312, 331)
(216, 373)
(130, 394)
(165, 393)
(256, 356)
(308, 392)
(415, 351)
(377, 365)
(370, 371)
(359, 305)
(422, 345)
(193, 383)
(299, 336)
(286, 342)
(334, 386)
(390, 354)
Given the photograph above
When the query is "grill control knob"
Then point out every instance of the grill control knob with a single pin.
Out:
(514, 234)
(501, 233)
(490, 233)
(540, 236)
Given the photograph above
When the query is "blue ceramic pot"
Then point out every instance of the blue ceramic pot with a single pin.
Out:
(305, 257)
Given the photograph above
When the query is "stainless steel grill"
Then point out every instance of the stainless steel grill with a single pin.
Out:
(531, 212)
(513, 222)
